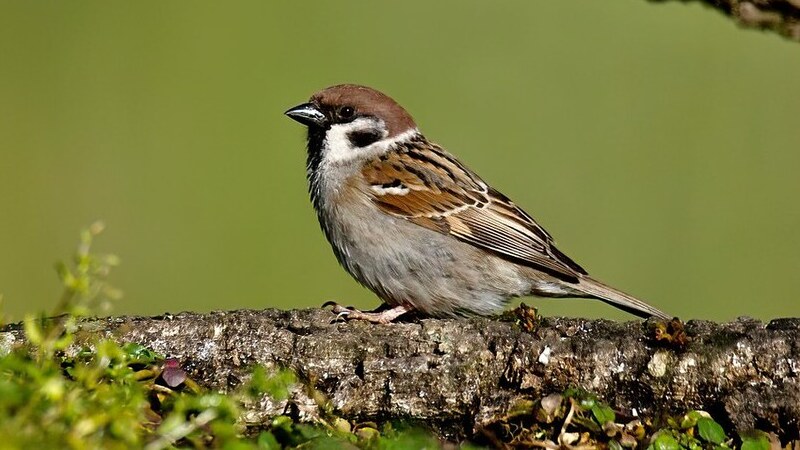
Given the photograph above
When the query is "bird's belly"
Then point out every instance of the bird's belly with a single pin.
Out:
(404, 263)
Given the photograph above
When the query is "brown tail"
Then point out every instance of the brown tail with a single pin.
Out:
(619, 299)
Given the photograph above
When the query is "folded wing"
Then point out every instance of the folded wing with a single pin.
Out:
(434, 190)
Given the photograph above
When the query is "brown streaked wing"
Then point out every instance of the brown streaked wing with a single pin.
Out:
(434, 190)
(434, 187)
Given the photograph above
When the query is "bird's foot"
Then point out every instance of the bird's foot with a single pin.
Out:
(378, 316)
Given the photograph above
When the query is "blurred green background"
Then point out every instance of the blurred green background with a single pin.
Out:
(657, 142)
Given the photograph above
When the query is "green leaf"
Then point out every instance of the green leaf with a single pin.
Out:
(710, 430)
(408, 439)
(603, 414)
(63, 342)
(139, 353)
(758, 441)
(585, 399)
(690, 419)
(33, 332)
(267, 441)
(522, 407)
(587, 423)
(665, 441)
(614, 445)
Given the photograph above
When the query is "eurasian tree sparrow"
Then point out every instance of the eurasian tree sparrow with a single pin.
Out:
(413, 224)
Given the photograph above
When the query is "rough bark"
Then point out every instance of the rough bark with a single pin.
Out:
(781, 16)
(456, 375)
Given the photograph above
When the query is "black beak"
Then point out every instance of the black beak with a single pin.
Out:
(307, 114)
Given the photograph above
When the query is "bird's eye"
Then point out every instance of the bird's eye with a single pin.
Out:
(347, 112)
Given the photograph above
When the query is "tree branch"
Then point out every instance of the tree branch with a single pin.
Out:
(459, 374)
(781, 16)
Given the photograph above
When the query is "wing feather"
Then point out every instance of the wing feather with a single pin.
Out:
(434, 190)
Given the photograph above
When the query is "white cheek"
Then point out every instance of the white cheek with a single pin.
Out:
(338, 146)
(339, 150)
(341, 160)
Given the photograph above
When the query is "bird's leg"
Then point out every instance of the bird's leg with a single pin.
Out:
(383, 317)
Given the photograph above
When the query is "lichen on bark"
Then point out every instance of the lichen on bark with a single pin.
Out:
(458, 375)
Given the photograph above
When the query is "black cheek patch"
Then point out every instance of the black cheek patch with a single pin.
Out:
(363, 138)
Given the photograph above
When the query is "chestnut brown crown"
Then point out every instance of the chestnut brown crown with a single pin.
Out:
(345, 102)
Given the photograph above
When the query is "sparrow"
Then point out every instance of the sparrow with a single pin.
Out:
(412, 223)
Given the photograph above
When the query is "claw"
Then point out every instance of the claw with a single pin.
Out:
(341, 312)
(329, 303)
(339, 309)
(349, 313)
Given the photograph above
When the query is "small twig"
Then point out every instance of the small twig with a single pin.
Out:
(183, 430)
(567, 421)
(545, 444)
